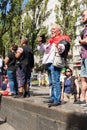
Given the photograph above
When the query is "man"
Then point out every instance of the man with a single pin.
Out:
(53, 72)
(83, 43)
(24, 68)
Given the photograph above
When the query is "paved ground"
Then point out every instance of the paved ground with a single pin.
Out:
(5, 126)
(38, 96)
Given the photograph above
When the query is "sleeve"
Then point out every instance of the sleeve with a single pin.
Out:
(41, 48)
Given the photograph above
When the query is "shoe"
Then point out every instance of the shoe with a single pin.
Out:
(11, 94)
(48, 101)
(18, 96)
(85, 105)
(80, 102)
(54, 104)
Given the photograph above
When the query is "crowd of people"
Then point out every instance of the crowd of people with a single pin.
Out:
(18, 69)
(64, 86)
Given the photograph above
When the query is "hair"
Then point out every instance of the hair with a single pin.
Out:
(83, 11)
(70, 70)
(43, 38)
(0, 56)
(13, 46)
(24, 41)
(57, 26)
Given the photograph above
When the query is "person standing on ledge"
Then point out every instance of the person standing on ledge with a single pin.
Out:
(53, 72)
(83, 43)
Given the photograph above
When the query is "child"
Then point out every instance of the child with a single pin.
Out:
(5, 88)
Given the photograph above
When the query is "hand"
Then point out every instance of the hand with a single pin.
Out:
(62, 97)
(80, 40)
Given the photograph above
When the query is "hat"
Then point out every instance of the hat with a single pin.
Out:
(63, 70)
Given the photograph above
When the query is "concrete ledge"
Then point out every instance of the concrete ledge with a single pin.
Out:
(26, 114)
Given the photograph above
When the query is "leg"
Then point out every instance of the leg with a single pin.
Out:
(11, 80)
(84, 87)
(84, 78)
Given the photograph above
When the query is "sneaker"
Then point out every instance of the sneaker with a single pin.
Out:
(54, 104)
(48, 101)
(80, 102)
(85, 105)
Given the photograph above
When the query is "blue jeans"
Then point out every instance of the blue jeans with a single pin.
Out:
(54, 82)
(12, 81)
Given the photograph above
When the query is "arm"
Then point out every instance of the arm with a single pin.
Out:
(6, 60)
(83, 41)
(19, 52)
(62, 91)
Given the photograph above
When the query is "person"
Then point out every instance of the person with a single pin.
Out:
(83, 43)
(53, 72)
(10, 62)
(1, 69)
(70, 87)
(24, 69)
(5, 88)
(46, 78)
(39, 78)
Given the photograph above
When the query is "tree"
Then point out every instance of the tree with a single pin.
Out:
(36, 13)
(10, 17)
(67, 14)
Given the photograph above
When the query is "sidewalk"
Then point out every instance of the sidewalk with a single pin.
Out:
(5, 126)
(40, 94)
(21, 113)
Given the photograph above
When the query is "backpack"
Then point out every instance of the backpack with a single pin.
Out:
(67, 48)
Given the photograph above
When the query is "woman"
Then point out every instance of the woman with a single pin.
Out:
(70, 87)
(10, 61)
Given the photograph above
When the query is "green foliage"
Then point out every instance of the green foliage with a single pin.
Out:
(34, 19)
(10, 19)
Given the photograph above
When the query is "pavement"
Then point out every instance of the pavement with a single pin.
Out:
(41, 94)
(38, 96)
(4, 125)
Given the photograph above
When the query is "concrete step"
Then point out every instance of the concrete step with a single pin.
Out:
(4, 125)
(33, 114)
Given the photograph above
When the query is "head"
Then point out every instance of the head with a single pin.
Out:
(13, 47)
(68, 72)
(84, 16)
(55, 30)
(24, 41)
(41, 38)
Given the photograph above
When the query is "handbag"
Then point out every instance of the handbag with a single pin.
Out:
(58, 60)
